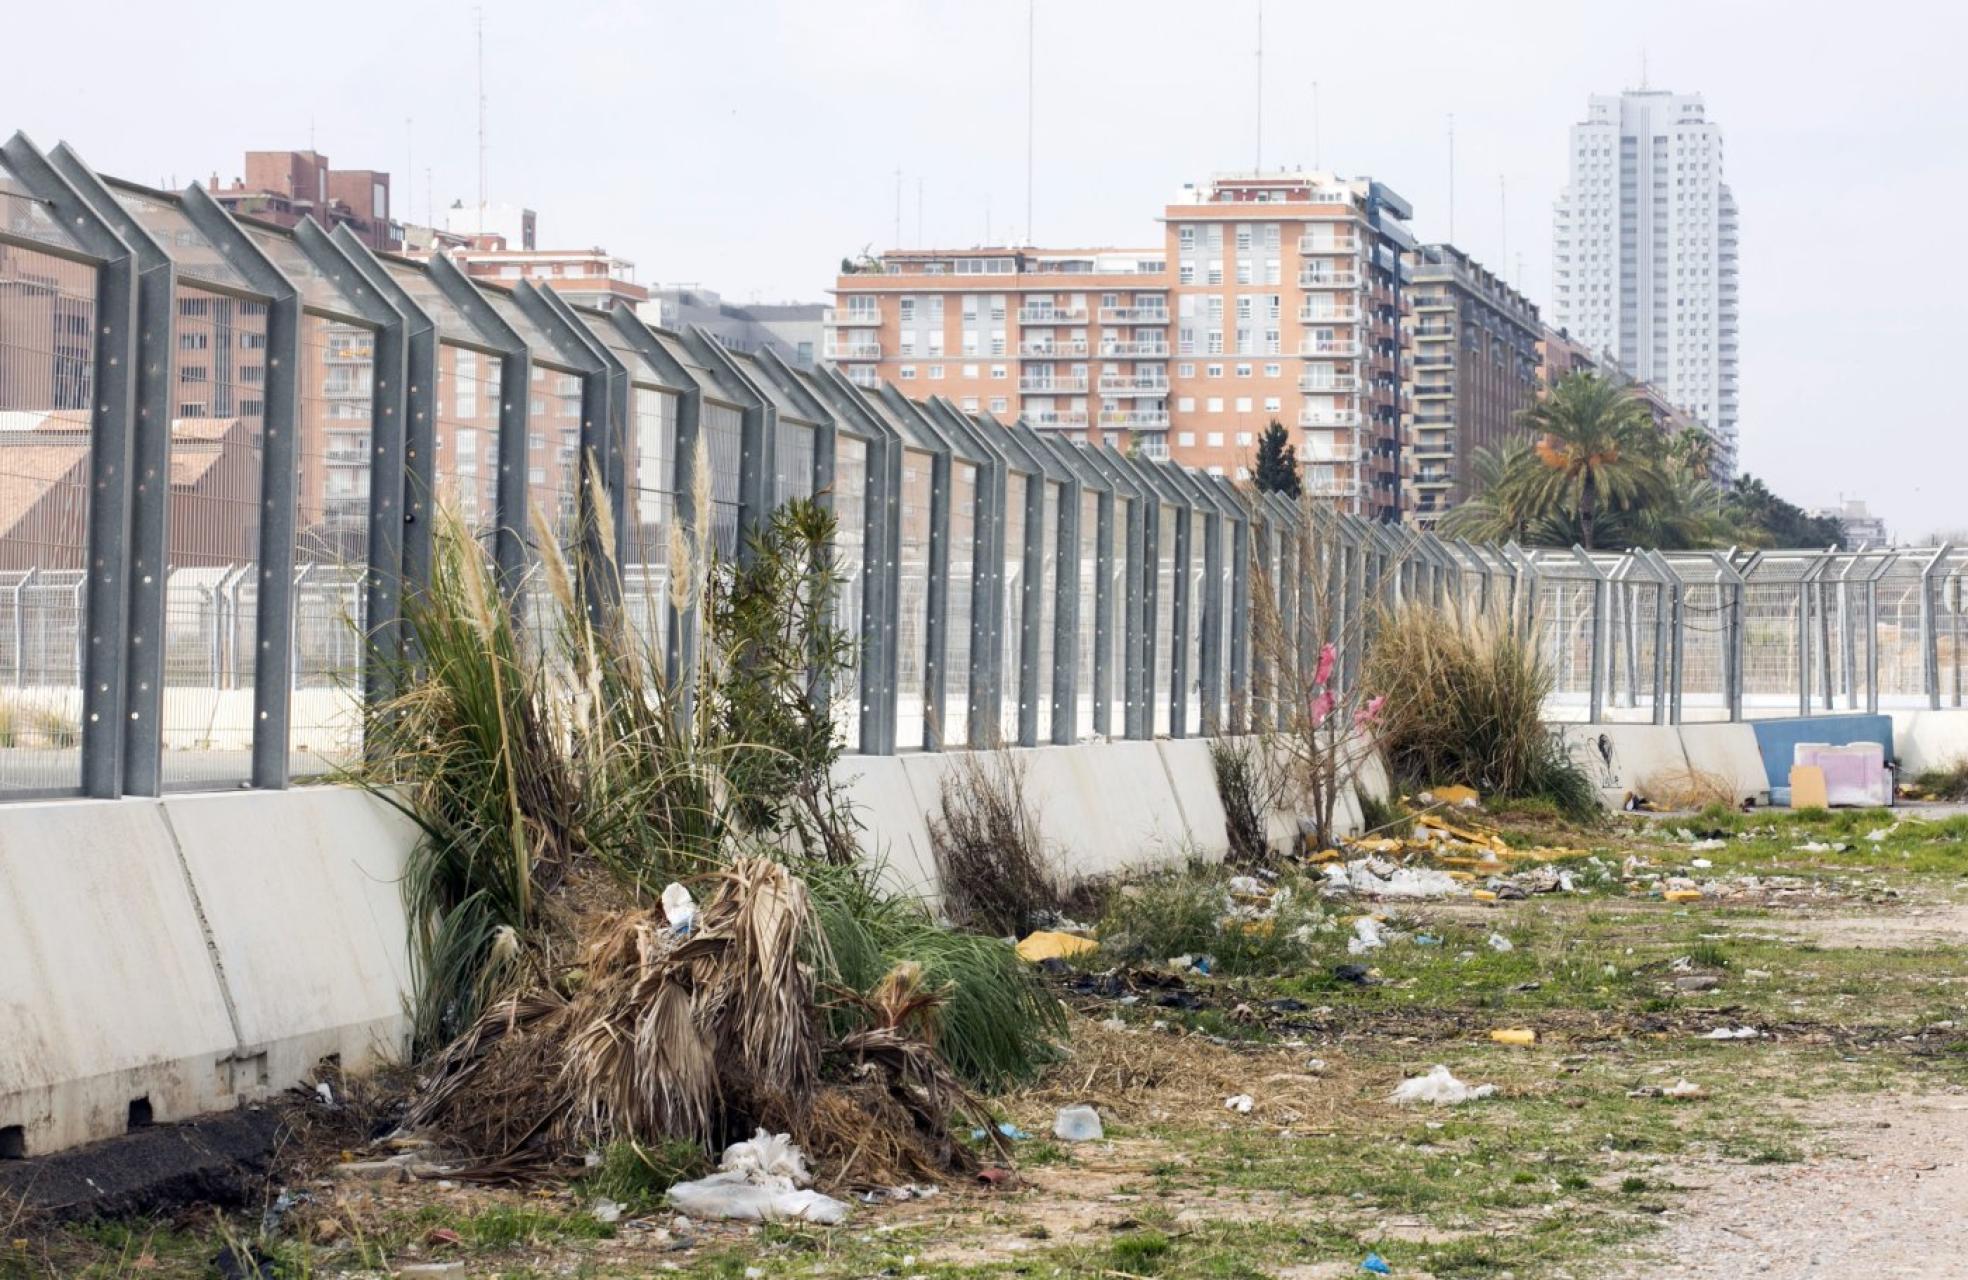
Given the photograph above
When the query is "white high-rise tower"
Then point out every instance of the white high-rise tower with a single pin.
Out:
(1643, 254)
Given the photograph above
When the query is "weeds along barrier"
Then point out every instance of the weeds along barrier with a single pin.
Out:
(222, 443)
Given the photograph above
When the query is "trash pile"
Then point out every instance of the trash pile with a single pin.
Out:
(700, 1023)
(1444, 859)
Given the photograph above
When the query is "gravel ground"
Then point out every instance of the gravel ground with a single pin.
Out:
(1888, 1197)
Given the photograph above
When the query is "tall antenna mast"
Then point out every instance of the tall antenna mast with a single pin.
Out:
(479, 13)
(919, 202)
(1031, 96)
(1316, 162)
(1503, 225)
(409, 168)
(1452, 177)
(897, 241)
(1260, 86)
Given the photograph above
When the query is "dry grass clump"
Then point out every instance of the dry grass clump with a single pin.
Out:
(1687, 789)
(985, 840)
(702, 1036)
(1134, 1074)
(1465, 704)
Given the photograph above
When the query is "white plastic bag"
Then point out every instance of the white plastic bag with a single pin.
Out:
(678, 907)
(758, 1180)
(1440, 1088)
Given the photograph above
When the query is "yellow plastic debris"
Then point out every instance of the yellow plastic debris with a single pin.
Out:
(1682, 895)
(1049, 944)
(1515, 1035)
(1455, 796)
(1483, 895)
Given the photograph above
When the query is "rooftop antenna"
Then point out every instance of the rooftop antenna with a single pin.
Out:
(478, 12)
(430, 201)
(897, 242)
(1031, 64)
(919, 204)
(1452, 177)
(1503, 223)
(1260, 86)
(1643, 67)
(1317, 163)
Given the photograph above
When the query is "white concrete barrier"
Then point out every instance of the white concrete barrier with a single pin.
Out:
(303, 898)
(1625, 758)
(108, 995)
(1929, 739)
(1728, 752)
(161, 959)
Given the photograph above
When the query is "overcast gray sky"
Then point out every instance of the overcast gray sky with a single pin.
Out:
(748, 144)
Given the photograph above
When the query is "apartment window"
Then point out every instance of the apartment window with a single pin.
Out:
(997, 342)
(1214, 404)
(1243, 237)
(1272, 404)
(1243, 371)
(1215, 275)
(1273, 370)
(908, 373)
(999, 404)
(1243, 404)
(1185, 370)
(1187, 439)
(907, 347)
(1243, 439)
(970, 371)
(1274, 306)
(1213, 371)
(1214, 439)
(1213, 235)
(935, 308)
(935, 343)
(1274, 342)
(997, 307)
(1186, 404)
(1273, 271)
(1185, 237)
(970, 342)
(936, 373)
(1271, 235)
(970, 404)
(1215, 470)
(970, 308)
(1243, 306)
(1243, 473)
(907, 309)
(1213, 342)
(998, 371)
(1186, 273)
(1243, 271)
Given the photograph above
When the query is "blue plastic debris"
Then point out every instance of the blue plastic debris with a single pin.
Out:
(1427, 940)
(1376, 1264)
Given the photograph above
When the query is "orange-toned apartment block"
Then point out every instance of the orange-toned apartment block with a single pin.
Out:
(1272, 297)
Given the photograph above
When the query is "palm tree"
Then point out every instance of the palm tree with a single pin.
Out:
(1495, 510)
(1693, 451)
(1596, 447)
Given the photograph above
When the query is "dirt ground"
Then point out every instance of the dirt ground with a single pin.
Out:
(1885, 1197)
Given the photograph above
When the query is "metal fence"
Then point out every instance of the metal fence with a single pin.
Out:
(222, 445)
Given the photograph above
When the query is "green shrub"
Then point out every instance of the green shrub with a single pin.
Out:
(1465, 704)
(1947, 783)
(637, 1176)
(1247, 800)
(1188, 912)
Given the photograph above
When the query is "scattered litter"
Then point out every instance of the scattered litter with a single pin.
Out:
(1049, 944)
(1241, 1103)
(1366, 937)
(1427, 940)
(1457, 797)
(679, 908)
(1708, 846)
(1878, 834)
(1113, 1024)
(607, 1211)
(1440, 1088)
(1379, 878)
(1376, 1264)
(1694, 982)
(1514, 1036)
(897, 1195)
(1005, 1127)
(1740, 1033)
(1700, 864)
(1499, 943)
(1358, 974)
(1079, 1123)
(1195, 964)
(1315, 1066)
(1684, 1089)
(759, 1180)
(326, 1094)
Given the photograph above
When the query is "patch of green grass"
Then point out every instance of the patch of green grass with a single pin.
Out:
(637, 1176)
(1139, 1252)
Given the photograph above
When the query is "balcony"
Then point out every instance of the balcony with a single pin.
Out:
(1433, 480)
(1134, 350)
(1328, 279)
(1328, 244)
(856, 351)
(1126, 386)
(1057, 384)
(1136, 419)
(1329, 347)
(1431, 302)
(1433, 390)
(1052, 315)
(1134, 315)
(1433, 332)
(1329, 418)
(1329, 384)
(861, 318)
(1322, 487)
(1313, 313)
(1046, 350)
(1056, 418)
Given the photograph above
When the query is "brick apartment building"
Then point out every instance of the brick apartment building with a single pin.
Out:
(1272, 296)
(1474, 369)
(282, 187)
